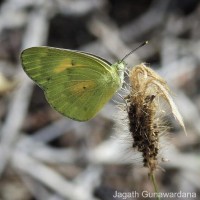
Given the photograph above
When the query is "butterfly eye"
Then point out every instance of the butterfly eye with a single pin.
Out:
(121, 66)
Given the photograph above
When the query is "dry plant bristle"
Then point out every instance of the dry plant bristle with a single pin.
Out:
(144, 115)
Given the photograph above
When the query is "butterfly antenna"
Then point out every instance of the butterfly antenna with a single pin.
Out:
(141, 45)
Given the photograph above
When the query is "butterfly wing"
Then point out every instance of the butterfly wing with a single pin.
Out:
(75, 83)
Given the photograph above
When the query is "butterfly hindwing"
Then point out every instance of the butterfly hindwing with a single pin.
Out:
(75, 83)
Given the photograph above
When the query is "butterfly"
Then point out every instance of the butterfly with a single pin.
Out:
(76, 84)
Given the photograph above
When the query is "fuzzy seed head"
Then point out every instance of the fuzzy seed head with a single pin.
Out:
(145, 118)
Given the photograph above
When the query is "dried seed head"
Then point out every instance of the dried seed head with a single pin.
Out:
(147, 89)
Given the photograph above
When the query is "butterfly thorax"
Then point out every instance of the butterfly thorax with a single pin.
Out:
(120, 68)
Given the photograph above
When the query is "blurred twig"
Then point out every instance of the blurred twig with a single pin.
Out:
(49, 177)
(35, 35)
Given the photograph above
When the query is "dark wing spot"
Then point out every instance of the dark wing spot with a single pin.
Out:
(73, 62)
(85, 108)
(48, 79)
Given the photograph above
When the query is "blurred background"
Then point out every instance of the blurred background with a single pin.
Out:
(45, 156)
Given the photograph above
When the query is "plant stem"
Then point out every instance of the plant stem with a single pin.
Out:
(153, 179)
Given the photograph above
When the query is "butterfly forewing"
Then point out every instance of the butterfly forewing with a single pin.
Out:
(75, 83)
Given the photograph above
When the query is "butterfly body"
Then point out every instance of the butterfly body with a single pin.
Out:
(76, 84)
